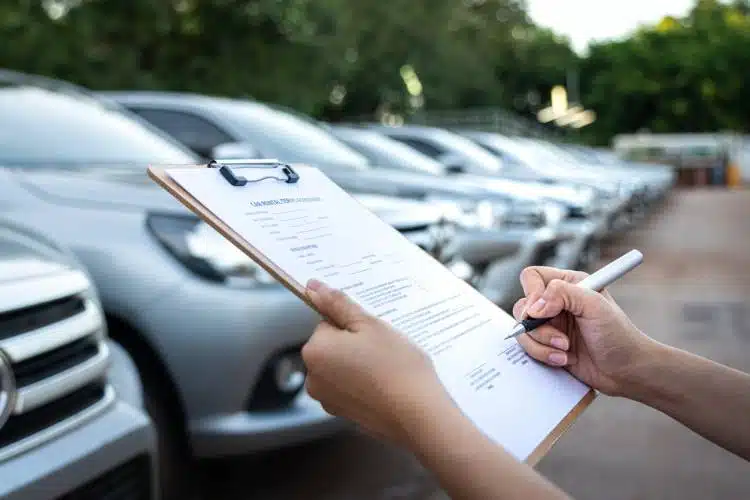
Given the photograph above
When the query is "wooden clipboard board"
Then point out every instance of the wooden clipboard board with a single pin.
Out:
(160, 176)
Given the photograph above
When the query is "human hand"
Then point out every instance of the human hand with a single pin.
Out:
(589, 334)
(365, 371)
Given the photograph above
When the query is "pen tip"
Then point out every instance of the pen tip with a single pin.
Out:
(517, 330)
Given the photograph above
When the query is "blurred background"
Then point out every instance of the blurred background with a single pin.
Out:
(682, 70)
(494, 134)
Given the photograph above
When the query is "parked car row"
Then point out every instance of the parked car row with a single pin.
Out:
(153, 340)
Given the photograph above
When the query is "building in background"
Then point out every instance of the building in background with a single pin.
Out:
(700, 159)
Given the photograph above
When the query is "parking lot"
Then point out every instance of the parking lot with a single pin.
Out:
(693, 291)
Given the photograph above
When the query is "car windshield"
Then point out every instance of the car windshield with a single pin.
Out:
(468, 149)
(39, 126)
(385, 152)
(503, 146)
(552, 152)
(289, 138)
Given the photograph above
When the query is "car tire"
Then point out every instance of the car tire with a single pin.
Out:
(175, 463)
(175, 457)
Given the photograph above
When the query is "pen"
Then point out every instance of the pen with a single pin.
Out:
(597, 282)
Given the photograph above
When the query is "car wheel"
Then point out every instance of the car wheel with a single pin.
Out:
(175, 463)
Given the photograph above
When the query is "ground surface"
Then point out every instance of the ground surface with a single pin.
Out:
(693, 291)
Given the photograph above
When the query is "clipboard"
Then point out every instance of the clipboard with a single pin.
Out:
(160, 176)
(288, 174)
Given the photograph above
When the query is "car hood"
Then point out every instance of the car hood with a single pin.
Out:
(106, 187)
(415, 185)
(568, 195)
(25, 255)
(132, 189)
(401, 212)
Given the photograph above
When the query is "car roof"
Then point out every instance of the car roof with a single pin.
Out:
(171, 98)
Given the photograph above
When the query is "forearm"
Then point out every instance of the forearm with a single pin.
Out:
(468, 465)
(711, 399)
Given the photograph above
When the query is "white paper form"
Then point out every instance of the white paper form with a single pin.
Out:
(314, 229)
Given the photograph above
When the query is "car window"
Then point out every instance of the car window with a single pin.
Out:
(550, 152)
(195, 132)
(510, 160)
(510, 154)
(41, 127)
(386, 152)
(287, 137)
(423, 147)
(466, 148)
(520, 151)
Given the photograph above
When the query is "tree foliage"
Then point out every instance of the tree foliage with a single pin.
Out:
(681, 75)
(340, 58)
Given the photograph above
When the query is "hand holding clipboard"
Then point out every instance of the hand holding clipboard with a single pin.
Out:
(310, 228)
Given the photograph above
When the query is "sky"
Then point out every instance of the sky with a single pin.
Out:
(587, 20)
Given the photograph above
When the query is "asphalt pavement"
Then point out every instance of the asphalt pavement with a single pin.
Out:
(692, 291)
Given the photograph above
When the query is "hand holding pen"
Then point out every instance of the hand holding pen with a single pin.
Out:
(597, 282)
(588, 334)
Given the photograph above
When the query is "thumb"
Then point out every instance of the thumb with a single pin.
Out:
(560, 295)
(336, 306)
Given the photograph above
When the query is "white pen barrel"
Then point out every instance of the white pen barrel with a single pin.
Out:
(612, 271)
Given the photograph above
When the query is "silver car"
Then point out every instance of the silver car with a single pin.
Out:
(71, 418)
(525, 158)
(506, 232)
(569, 210)
(215, 339)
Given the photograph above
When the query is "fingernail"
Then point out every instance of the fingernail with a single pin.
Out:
(524, 311)
(559, 342)
(538, 306)
(314, 285)
(558, 358)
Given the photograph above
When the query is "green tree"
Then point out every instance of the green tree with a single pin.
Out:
(682, 75)
(322, 57)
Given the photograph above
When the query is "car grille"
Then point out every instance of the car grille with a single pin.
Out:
(56, 361)
(58, 357)
(22, 426)
(37, 316)
(129, 481)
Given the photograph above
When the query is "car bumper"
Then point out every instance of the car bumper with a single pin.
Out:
(480, 248)
(82, 456)
(245, 432)
(216, 341)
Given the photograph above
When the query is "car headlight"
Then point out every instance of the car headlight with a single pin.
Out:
(205, 252)
(490, 215)
(526, 215)
(554, 213)
(471, 214)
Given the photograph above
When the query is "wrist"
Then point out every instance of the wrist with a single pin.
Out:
(641, 381)
(422, 420)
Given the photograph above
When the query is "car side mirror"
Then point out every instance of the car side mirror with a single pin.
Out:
(235, 151)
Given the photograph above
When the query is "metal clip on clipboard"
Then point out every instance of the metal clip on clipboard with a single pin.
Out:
(226, 170)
